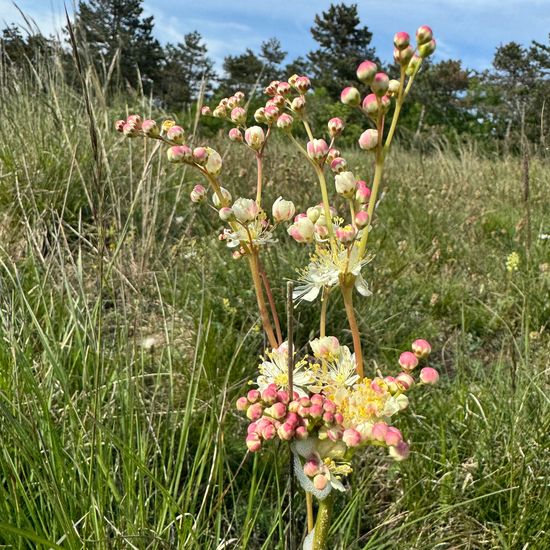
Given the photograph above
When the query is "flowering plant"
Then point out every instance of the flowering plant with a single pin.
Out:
(321, 403)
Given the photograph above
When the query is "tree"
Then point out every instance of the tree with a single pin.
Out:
(109, 29)
(245, 71)
(185, 66)
(343, 45)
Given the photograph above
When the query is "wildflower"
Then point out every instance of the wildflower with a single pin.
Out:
(335, 126)
(198, 194)
(350, 96)
(317, 149)
(302, 230)
(226, 197)
(245, 210)
(368, 140)
(423, 35)
(283, 210)
(366, 71)
(254, 137)
(512, 262)
(429, 375)
(401, 40)
(235, 135)
(345, 184)
(176, 134)
(379, 84)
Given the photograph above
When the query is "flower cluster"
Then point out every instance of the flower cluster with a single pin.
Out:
(332, 412)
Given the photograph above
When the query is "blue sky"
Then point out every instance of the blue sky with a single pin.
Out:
(465, 29)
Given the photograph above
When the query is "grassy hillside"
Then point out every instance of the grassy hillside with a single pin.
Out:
(127, 332)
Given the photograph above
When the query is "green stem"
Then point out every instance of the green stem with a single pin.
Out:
(322, 523)
(326, 206)
(260, 176)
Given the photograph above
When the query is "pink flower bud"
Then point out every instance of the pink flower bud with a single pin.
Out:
(320, 482)
(286, 432)
(325, 347)
(350, 96)
(408, 360)
(253, 396)
(332, 154)
(200, 155)
(311, 467)
(338, 165)
(423, 35)
(259, 116)
(277, 101)
(313, 213)
(351, 437)
(277, 410)
(150, 128)
(345, 183)
(252, 428)
(401, 40)
(206, 111)
(379, 431)
(198, 194)
(302, 230)
(283, 210)
(238, 115)
(179, 153)
(338, 418)
(254, 137)
(119, 125)
(253, 442)
(135, 121)
(226, 213)
(292, 419)
(329, 406)
(271, 113)
(403, 56)
(421, 348)
(271, 88)
(301, 433)
(368, 140)
(335, 126)
(405, 380)
(220, 112)
(400, 451)
(129, 130)
(361, 219)
(370, 106)
(284, 122)
(413, 65)
(284, 88)
(335, 433)
(317, 149)
(316, 411)
(292, 80)
(425, 50)
(328, 418)
(429, 375)
(366, 71)
(245, 210)
(362, 193)
(235, 135)
(393, 436)
(242, 404)
(255, 411)
(176, 134)
(269, 394)
(379, 84)
(302, 84)
(298, 104)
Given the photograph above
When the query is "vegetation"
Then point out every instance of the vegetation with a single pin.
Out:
(121, 357)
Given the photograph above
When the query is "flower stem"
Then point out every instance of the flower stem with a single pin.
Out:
(347, 294)
(326, 206)
(259, 164)
(324, 304)
(271, 301)
(309, 509)
(323, 523)
(254, 270)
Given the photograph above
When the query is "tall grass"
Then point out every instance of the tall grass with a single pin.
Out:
(117, 384)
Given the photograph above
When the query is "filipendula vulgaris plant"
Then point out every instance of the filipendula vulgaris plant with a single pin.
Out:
(321, 404)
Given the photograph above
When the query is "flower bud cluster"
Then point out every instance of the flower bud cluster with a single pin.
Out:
(409, 360)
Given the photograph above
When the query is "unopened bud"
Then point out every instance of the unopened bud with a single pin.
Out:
(284, 122)
(259, 116)
(401, 40)
(206, 111)
(393, 436)
(284, 88)
(338, 165)
(320, 482)
(408, 360)
(253, 442)
(317, 149)
(255, 411)
(405, 380)
(254, 137)
(400, 451)
(361, 219)
(379, 431)
(425, 50)
(429, 375)
(242, 404)
(245, 210)
(423, 35)
(302, 84)
(414, 65)
(345, 183)
(368, 139)
(311, 467)
(179, 153)
(379, 84)
(271, 113)
(271, 88)
(150, 128)
(403, 56)
(226, 213)
(283, 210)
(313, 213)
(119, 125)
(198, 194)
(421, 348)
(235, 135)
(176, 134)
(362, 194)
(351, 437)
(200, 155)
(370, 106)
(366, 71)
(298, 104)
(346, 234)
(218, 203)
(214, 162)
(350, 96)
(332, 154)
(335, 126)
(302, 230)
(220, 112)
(238, 115)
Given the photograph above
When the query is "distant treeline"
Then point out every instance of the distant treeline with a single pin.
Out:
(503, 104)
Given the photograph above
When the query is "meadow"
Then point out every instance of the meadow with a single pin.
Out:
(127, 331)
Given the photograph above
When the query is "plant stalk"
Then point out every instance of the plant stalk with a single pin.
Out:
(347, 294)
(322, 523)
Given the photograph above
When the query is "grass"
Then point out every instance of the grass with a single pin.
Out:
(120, 360)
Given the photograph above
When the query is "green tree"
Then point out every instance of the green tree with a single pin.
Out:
(343, 45)
(115, 31)
(186, 65)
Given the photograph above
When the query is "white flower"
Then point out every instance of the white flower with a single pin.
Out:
(339, 370)
(257, 232)
(274, 370)
(324, 270)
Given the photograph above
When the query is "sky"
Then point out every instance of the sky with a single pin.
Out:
(469, 30)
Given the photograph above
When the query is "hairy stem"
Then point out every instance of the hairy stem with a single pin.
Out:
(322, 524)
(347, 293)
